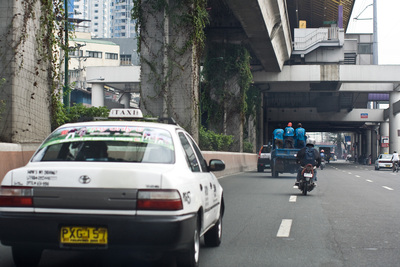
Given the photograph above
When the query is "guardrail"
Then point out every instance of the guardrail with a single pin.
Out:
(17, 155)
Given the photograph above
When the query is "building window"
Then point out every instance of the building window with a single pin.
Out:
(126, 60)
(365, 48)
(111, 56)
(94, 54)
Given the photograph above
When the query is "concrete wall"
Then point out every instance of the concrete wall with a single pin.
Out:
(26, 91)
(17, 155)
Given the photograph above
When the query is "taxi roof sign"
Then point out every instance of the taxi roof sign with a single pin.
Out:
(125, 113)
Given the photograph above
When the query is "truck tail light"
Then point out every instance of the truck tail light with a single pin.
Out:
(159, 200)
(16, 196)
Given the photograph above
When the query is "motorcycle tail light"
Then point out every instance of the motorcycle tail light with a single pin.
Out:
(159, 200)
(16, 197)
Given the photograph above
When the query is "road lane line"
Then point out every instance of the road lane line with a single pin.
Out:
(284, 228)
(293, 199)
(388, 188)
(358, 176)
(369, 181)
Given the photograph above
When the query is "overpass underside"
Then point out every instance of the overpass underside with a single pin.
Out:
(335, 97)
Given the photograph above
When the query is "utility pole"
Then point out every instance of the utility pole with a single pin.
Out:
(66, 58)
(375, 44)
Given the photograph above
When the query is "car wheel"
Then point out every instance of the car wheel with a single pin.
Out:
(376, 168)
(190, 258)
(213, 236)
(25, 256)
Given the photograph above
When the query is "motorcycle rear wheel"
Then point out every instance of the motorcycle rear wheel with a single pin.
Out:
(305, 189)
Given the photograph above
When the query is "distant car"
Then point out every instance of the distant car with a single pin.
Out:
(383, 161)
(140, 186)
(264, 158)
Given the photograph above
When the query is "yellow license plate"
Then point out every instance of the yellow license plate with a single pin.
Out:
(83, 235)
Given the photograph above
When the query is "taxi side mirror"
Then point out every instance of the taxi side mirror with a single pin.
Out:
(216, 165)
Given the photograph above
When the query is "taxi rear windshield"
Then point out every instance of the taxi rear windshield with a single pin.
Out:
(108, 143)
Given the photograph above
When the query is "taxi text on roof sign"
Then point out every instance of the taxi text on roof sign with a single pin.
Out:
(131, 113)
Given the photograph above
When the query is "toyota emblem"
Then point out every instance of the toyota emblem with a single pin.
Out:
(84, 179)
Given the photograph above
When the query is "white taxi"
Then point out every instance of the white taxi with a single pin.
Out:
(141, 186)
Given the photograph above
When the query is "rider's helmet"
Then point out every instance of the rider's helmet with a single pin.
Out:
(394, 151)
(289, 124)
(310, 142)
(322, 150)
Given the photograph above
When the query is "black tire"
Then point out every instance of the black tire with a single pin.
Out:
(305, 187)
(190, 258)
(26, 256)
(273, 172)
(213, 236)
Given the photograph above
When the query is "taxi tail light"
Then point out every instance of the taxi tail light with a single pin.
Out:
(159, 200)
(16, 197)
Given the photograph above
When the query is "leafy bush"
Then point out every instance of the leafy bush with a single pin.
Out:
(247, 147)
(209, 140)
(78, 112)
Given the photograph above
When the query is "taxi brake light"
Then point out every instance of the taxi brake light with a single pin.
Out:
(159, 200)
(16, 197)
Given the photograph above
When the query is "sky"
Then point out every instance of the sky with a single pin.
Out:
(388, 27)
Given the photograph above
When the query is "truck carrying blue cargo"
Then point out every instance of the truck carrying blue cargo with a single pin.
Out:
(283, 160)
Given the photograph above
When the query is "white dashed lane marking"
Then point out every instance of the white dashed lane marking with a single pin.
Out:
(284, 228)
(388, 188)
(293, 199)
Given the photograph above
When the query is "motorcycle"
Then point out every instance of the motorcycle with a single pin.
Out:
(306, 183)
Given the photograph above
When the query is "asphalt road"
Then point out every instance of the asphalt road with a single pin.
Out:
(351, 219)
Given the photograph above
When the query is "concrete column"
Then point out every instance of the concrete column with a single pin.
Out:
(394, 123)
(384, 131)
(97, 95)
(126, 99)
(368, 135)
(169, 69)
(374, 144)
(261, 123)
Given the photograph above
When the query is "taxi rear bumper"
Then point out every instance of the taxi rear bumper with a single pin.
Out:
(166, 233)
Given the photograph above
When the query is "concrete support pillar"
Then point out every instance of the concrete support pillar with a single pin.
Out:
(368, 142)
(97, 95)
(394, 123)
(384, 131)
(233, 118)
(126, 99)
(374, 144)
(170, 68)
(261, 123)
(252, 133)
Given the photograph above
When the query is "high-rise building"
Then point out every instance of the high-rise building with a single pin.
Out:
(106, 18)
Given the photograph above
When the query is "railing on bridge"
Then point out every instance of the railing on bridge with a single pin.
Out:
(306, 38)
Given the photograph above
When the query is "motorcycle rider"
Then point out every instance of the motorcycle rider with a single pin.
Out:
(308, 155)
